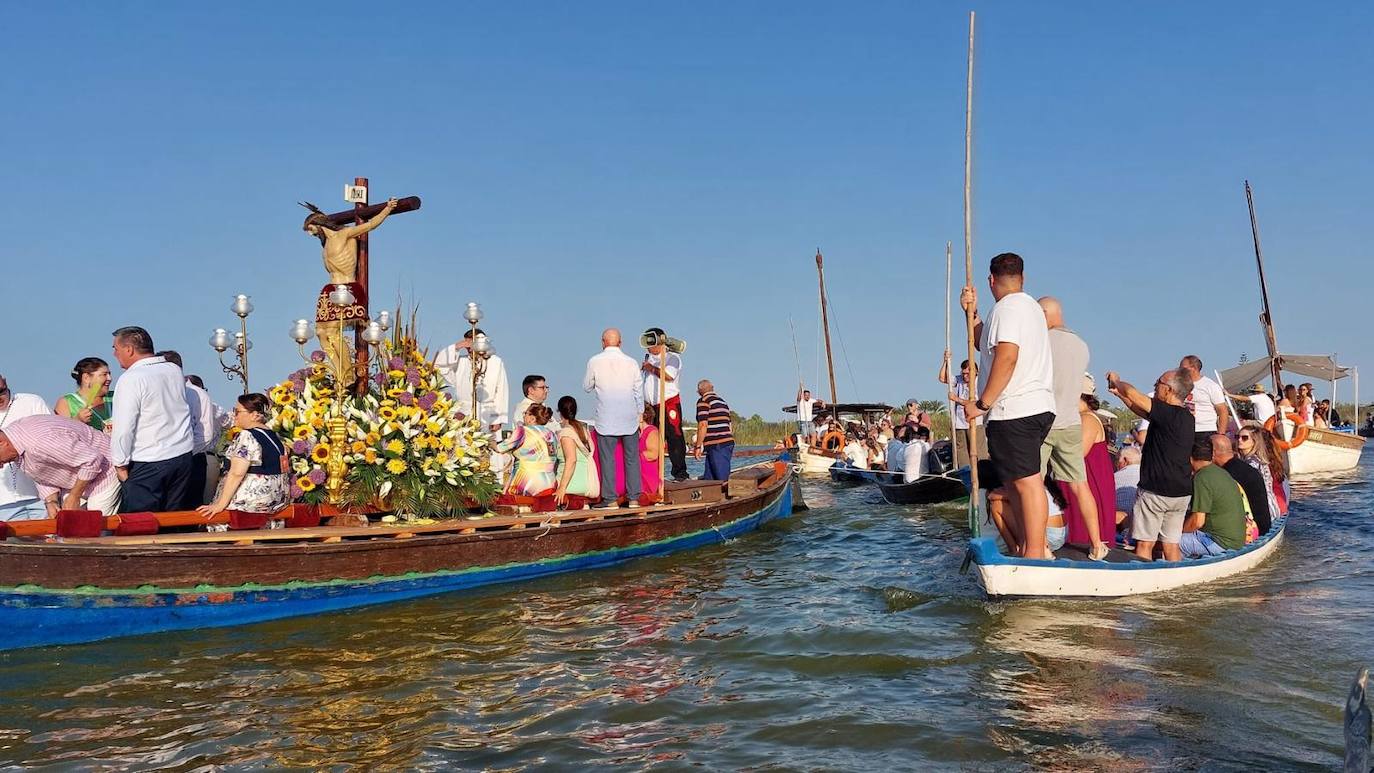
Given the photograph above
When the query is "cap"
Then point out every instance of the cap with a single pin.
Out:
(1089, 385)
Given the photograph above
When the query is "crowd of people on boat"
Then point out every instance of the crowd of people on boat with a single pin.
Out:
(1190, 481)
(155, 441)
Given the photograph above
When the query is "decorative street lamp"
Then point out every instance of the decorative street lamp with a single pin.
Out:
(221, 341)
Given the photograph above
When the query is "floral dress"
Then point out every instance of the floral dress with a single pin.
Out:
(532, 448)
(266, 487)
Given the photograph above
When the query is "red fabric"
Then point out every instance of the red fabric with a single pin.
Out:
(1103, 484)
(241, 520)
(131, 524)
(545, 504)
(80, 523)
(574, 502)
(6, 531)
(303, 516)
(673, 406)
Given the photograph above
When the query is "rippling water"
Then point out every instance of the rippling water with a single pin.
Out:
(842, 638)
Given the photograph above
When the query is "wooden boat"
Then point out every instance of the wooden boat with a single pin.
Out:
(79, 590)
(1323, 450)
(818, 459)
(929, 489)
(1121, 575)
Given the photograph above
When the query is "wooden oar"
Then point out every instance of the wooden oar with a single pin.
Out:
(949, 262)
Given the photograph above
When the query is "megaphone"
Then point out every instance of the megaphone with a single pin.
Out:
(655, 336)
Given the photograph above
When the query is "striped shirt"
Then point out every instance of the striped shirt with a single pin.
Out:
(713, 410)
(56, 452)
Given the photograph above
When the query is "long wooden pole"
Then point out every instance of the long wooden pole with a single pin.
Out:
(825, 326)
(1266, 318)
(968, 279)
(949, 269)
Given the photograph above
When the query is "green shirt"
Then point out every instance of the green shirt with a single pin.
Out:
(1215, 493)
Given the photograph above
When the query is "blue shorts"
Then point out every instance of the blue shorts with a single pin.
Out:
(1199, 544)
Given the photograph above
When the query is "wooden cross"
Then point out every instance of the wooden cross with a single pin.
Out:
(363, 211)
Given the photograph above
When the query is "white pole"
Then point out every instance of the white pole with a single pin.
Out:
(949, 258)
(1234, 416)
(1357, 399)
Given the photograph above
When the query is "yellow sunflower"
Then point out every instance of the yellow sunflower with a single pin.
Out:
(320, 453)
(386, 412)
(302, 432)
(396, 447)
(396, 466)
(305, 483)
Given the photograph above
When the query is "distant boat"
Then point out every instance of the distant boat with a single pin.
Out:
(1321, 450)
(929, 489)
(818, 458)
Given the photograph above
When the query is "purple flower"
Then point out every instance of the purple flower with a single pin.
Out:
(428, 399)
(317, 476)
(296, 492)
(413, 379)
(300, 448)
(405, 398)
(317, 356)
(380, 378)
(396, 363)
(298, 386)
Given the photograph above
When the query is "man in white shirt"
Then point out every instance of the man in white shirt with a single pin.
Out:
(914, 459)
(454, 362)
(536, 391)
(1018, 393)
(614, 378)
(152, 443)
(959, 391)
(19, 500)
(806, 413)
(1207, 401)
(1260, 401)
(204, 435)
(672, 402)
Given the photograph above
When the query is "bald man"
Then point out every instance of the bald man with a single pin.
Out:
(613, 377)
(1062, 449)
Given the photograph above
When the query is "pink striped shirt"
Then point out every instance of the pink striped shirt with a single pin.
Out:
(56, 452)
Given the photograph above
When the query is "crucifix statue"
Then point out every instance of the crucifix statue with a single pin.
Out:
(343, 243)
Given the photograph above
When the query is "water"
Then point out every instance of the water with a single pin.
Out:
(842, 638)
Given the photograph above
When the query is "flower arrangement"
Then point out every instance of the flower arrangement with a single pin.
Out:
(406, 449)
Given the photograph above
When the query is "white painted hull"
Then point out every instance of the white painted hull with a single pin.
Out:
(1324, 451)
(1004, 576)
(813, 463)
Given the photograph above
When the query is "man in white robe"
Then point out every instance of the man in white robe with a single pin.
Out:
(454, 362)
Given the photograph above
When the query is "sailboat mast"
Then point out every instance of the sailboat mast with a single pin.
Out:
(1266, 318)
(825, 326)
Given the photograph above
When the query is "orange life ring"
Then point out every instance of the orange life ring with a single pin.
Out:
(1300, 432)
(834, 435)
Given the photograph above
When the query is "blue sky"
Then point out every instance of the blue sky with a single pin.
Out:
(630, 164)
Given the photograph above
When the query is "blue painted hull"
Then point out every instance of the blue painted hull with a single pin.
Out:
(38, 617)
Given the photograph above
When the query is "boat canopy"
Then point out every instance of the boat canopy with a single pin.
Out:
(844, 409)
(1315, 366)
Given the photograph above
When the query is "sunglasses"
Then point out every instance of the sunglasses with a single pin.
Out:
(1245, 436)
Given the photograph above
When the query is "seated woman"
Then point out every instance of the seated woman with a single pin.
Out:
(578, 479)
(1252, 446)
(258, 479)
(1008, 521)
(532, 445)
(91, 403)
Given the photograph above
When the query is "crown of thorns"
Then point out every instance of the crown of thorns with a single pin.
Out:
(316, 216)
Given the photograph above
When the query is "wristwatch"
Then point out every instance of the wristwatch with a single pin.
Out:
(979, 405)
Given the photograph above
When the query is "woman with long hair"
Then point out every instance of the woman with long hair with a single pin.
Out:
(1259, 451)
(578, 476)
(91, 403)
(1097, 460)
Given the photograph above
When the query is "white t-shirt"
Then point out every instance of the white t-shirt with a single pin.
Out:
(914, 459)
(1264, 407)
(15, 486)
(857, 454)
(961, 391)
(896, 456)
(806, 409)
(1202, 401)
(1018, 319)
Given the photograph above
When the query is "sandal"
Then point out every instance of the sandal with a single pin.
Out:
(1094, 555)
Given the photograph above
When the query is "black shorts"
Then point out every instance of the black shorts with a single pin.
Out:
(1014, 445)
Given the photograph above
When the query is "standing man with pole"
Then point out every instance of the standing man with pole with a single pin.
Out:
(662, 368)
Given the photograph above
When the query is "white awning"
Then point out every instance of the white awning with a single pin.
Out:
(1319, 367)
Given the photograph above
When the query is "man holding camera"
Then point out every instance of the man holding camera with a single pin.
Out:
(664, 360)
